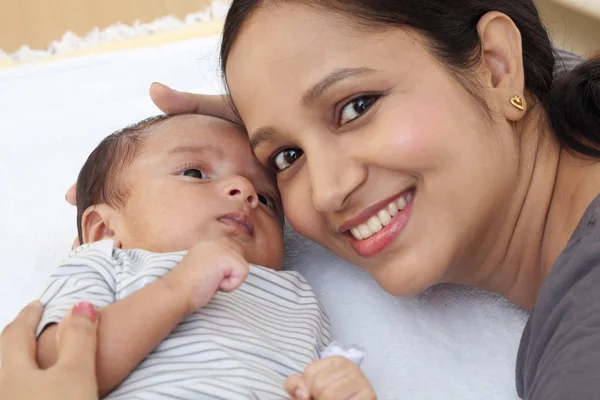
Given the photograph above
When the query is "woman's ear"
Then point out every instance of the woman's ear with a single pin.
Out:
(503, 71)
(96, 224)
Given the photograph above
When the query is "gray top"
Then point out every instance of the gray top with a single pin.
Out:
(559, 355)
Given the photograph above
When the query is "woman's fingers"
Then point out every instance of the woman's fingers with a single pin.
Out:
(172, 101)
(71, 195)
(77, 339)
(17, 343)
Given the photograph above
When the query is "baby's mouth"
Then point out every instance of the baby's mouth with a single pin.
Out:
(240, 222)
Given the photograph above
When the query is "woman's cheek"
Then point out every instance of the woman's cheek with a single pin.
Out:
(299, 209)
(414, 138)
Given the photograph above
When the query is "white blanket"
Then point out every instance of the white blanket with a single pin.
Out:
(450, 343)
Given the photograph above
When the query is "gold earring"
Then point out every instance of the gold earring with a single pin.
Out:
(517, 102)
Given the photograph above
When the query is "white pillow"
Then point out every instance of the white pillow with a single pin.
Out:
(452, 342)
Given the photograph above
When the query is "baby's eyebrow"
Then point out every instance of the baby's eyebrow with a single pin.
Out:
(197, 149)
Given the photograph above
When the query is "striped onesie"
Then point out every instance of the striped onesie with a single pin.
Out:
(241, 345)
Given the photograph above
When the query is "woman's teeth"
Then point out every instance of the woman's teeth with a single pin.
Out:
(377, 222)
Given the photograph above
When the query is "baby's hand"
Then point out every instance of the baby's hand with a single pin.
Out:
(331, 378)
(208, 267)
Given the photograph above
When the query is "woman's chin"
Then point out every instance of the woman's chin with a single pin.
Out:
(406, 279)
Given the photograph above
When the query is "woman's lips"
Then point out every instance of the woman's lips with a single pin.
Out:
(375, 242)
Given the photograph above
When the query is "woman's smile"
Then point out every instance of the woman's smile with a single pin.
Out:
(375, 228)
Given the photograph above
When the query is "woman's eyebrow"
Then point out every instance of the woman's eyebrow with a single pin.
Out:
(331, 79)
(265, 135)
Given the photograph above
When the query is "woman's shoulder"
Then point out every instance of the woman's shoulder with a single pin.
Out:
(560, 348)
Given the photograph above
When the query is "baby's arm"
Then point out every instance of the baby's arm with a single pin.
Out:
(130, 328)
(330, 378)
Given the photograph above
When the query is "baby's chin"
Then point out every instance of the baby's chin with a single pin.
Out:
(270, 264)
(274, 261)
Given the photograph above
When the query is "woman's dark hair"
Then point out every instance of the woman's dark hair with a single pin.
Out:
(572, 101)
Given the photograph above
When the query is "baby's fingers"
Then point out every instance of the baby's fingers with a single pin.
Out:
(295, 387)
(347, 388)
(322, 373)
(234, 275)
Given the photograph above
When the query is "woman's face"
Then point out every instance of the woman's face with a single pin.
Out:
(382, 156)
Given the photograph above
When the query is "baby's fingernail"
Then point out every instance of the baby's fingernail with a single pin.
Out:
(300, 393)
(85, 309)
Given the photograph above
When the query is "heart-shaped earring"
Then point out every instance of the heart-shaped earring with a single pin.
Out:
(517, 102)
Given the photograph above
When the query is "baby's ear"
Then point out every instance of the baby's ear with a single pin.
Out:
(96, 224)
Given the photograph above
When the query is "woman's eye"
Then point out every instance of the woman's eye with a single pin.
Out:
(355, 108)
(267, 201)
(285, 158)
(194, 173)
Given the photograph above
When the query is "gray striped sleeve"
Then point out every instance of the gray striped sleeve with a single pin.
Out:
(87, 275)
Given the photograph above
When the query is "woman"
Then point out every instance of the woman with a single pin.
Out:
(431, 145)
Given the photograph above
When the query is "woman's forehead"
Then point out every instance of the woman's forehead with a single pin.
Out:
(289, 30)
(281, 54)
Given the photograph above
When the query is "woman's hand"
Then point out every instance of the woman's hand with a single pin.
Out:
(171, 101)
(72, 377)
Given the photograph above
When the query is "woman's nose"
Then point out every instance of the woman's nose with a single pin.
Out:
(241, 189)
(333, 177)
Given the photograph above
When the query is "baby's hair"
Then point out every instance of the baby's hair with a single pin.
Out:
(99, 179)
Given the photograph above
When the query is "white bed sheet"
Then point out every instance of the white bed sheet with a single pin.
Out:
(450, 343)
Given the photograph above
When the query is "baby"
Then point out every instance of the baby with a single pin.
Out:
(171, 212)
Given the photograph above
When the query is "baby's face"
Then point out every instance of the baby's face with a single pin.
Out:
(197, 179)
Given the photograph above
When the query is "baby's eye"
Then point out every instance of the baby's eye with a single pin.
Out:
(285, 158)
(267, 201)
(194, 173)
(356, 107)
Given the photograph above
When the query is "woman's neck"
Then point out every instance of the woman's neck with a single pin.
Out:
(577, 185)
(557, 187)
